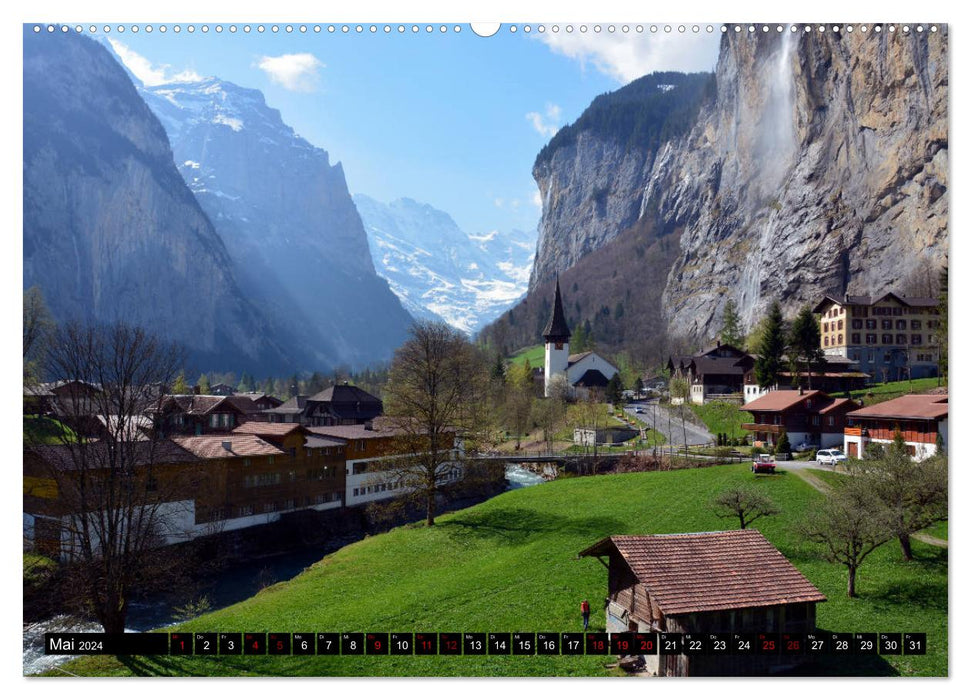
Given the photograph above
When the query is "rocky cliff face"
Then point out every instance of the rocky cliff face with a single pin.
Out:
(286, 215)
(111, 232)
(819, 166)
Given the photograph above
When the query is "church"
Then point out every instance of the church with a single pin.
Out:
(585, 370)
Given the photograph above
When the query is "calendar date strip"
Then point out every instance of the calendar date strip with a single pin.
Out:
(481, 643)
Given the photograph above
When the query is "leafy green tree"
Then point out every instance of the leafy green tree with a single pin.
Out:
(579, 342)
(745, 503)
(914, 494)
(316, 383)
(771, 348)
(519, 398)
(782, 446)
(203, 383)
(731, 331)
(638, 386)
(245, 383)
(850, 524)
(179, 386)
(804, 341)
(615, 390)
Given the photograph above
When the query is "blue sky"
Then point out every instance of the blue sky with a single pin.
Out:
(452, 119)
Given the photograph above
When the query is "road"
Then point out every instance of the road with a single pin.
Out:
(669, 423)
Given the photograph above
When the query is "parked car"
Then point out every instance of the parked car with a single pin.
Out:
(763, 464)
(832, 457)
(638, 410)
(805, 447)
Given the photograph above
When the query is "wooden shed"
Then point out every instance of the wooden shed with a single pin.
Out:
(707, 582)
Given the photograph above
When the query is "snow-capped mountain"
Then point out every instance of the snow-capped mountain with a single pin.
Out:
(285, 215)
(440, 271)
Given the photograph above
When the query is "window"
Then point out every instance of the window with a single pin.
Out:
(246, 461)
(839, 325)
(915, 325)
(839, 339)
(826, 328)
(901, 339)
(360, 445)
(151, 484)
(915, 339)
(856, 341)
(355, 491)
(897, 311)
(855, 356)
(825, 340)
(871, 339)
(288, 504)
(814, 420)
(293, 452)
(830, 420)
(887, 339)
(269, 460)
(886, 324)
(243, 511)
(901, 325)
(269, 507)
(871, 324)
(214, 420)
(871, 354)
(857, 324)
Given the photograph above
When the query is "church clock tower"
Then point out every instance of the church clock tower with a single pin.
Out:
(557, 337)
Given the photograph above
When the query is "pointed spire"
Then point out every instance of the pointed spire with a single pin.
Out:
(557, 330)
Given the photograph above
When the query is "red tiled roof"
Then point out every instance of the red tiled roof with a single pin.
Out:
(265, 428)
(212, 446)
(707, 571)
(926, 406)
(781, 400)
(839, 405)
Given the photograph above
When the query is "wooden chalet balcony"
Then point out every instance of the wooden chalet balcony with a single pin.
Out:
(853, 432)
(763, 428)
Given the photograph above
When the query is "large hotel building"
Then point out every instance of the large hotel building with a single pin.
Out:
(891, 337)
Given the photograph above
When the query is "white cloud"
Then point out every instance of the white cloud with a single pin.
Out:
(498, 201)
(537, 199)
(549, 124)
(299, 72)
(625, 57)
(149, 73)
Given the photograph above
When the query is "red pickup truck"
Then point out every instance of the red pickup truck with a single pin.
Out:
(763, 464)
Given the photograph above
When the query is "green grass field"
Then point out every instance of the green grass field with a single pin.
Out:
(723, 417)
(893, 390)
(535, 354)
(510, 564)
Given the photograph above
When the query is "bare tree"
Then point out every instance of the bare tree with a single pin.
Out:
(437, 378)
(680, 387)
(114, 504)
(744, 503)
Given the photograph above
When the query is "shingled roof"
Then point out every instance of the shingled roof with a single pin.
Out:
(216, 446)
(557, 329)
(708, 571)
(913, 406)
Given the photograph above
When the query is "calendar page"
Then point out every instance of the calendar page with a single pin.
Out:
(450, 349)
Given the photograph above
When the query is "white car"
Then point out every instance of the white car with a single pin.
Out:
(833, 457)
(804, 446)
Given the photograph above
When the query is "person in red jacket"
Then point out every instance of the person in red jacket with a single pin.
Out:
(585, 610)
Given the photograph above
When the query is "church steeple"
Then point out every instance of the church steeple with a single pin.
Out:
(557, 330)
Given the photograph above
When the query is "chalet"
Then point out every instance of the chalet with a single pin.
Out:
(371, 451)
(920, 418)
(584, 371)
(731, 582)
(834, 375)
(892, 336)
(199, 414)
(65, 398)
(343, 404)
(714, 374)
(261, 400)
(806, 416)
(221, 389)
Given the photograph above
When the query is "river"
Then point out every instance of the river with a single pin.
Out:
(231, 585)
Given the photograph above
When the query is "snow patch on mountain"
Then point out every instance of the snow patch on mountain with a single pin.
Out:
(439, 271)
